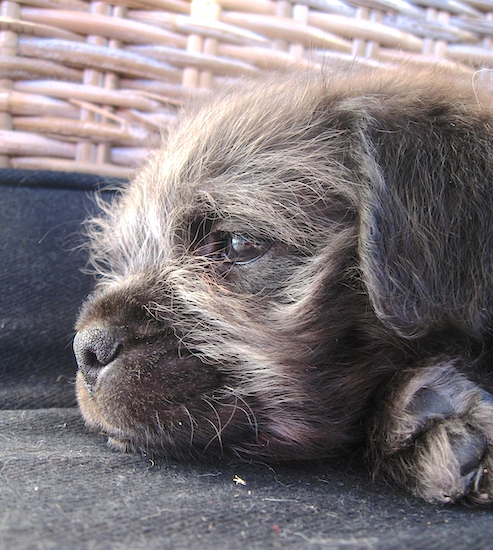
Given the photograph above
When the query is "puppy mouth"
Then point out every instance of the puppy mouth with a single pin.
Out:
(150, 393)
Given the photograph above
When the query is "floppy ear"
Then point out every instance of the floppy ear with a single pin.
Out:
(426, 246)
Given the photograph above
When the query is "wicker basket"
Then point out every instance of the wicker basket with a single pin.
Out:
(89, 86)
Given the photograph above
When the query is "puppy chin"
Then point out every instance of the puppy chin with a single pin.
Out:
(94, 417)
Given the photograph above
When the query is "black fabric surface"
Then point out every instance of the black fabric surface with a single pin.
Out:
(62, 488)
(41, 290)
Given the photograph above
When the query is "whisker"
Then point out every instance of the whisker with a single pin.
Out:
(192, 425)
(218, 429)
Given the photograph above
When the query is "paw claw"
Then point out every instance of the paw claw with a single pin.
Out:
(469, 450)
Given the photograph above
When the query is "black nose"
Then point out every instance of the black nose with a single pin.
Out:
(94, 349)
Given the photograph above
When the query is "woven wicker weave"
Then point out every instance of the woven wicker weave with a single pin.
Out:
(88, 86)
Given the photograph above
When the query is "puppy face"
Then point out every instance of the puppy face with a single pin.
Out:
(243, 299)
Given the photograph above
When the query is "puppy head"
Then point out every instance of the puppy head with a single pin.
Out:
(238, 290)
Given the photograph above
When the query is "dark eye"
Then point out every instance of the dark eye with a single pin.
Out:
(243, 248)
(233, 247)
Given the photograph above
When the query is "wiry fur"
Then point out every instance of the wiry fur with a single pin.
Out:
(366, 320)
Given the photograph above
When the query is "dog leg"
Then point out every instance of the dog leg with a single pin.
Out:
(437, 436)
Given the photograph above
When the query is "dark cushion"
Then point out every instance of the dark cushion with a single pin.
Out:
(41, 283)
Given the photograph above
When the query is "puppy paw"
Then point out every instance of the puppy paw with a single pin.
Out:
(439, 439)
(449, 462)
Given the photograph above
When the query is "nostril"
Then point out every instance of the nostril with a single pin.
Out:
(87, 358)
(95, 348)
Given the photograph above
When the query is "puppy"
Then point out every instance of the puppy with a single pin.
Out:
(306, 266)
